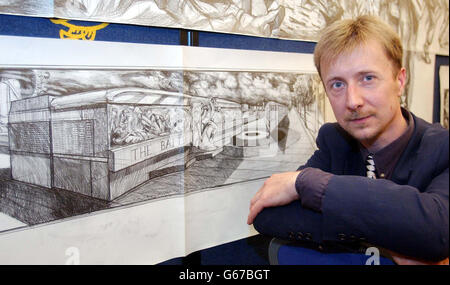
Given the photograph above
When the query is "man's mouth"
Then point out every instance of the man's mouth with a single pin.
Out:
(360, 119)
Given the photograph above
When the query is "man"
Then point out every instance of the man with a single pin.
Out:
(333, 198)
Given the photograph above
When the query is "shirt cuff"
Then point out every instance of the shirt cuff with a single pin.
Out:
(310, 185)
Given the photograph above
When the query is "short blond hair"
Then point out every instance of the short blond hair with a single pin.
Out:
(345, 35)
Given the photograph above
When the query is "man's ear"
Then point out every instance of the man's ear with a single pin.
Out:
(401, 79)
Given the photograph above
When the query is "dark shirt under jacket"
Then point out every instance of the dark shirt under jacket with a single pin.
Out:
(311, 183)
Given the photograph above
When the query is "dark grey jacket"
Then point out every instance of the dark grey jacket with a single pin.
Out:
(407, 214)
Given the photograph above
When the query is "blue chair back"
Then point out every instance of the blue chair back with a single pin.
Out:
(290, 253)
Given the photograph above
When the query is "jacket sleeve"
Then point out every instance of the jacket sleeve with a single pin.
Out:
(311, 182)
(293, 221)
(396, 217)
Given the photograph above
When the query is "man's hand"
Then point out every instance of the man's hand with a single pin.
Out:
(406, 260)
(278, 190)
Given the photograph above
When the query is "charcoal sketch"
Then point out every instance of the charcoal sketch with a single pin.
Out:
(43, 8)
(255, 17)
(444, 86)
(426, 21)
(79, 141)
(422, 25)
(445, 109)
(141, 157)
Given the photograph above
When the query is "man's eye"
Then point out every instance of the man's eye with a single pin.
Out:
(337, 85)
(368, 77)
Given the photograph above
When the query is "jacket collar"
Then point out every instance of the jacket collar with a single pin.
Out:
(404, 167)
(353, 162)
(402, 171)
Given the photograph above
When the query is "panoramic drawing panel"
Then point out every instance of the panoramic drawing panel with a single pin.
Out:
(43, 8)
(138, 159)
(79, 141)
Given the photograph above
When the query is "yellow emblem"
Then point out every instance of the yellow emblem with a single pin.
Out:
(78, 32)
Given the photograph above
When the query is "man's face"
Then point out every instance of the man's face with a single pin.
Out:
(364, 94)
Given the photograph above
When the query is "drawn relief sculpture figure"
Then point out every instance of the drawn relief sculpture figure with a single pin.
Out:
(228, 15)
(434, 11)
(153, 123)
(196, 124)
(136, 124)
(175, 120)
(445, 116)
(255, 17)
(9, 91)
(209, 126)
(444, 35)
(120, 134)
(129, 128)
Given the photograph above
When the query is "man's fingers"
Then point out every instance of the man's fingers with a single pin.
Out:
(254, 211)
(255, 198)
(277, 190)
(257, 207)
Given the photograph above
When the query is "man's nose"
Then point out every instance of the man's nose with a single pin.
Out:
(354, 97)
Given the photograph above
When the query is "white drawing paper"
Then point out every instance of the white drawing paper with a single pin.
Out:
(115, 153)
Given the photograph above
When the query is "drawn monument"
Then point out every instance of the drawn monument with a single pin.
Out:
(104, 142)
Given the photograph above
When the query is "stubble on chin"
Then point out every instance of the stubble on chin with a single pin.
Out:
(362, 133)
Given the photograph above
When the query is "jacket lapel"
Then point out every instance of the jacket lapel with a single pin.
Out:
(351, 156)
(355, 164)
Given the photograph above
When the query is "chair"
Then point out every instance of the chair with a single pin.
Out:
(282, 252)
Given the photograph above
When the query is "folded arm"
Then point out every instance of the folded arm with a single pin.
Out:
(407, 220)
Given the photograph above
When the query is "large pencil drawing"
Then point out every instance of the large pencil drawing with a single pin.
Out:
(143, 155)
(83, 140)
